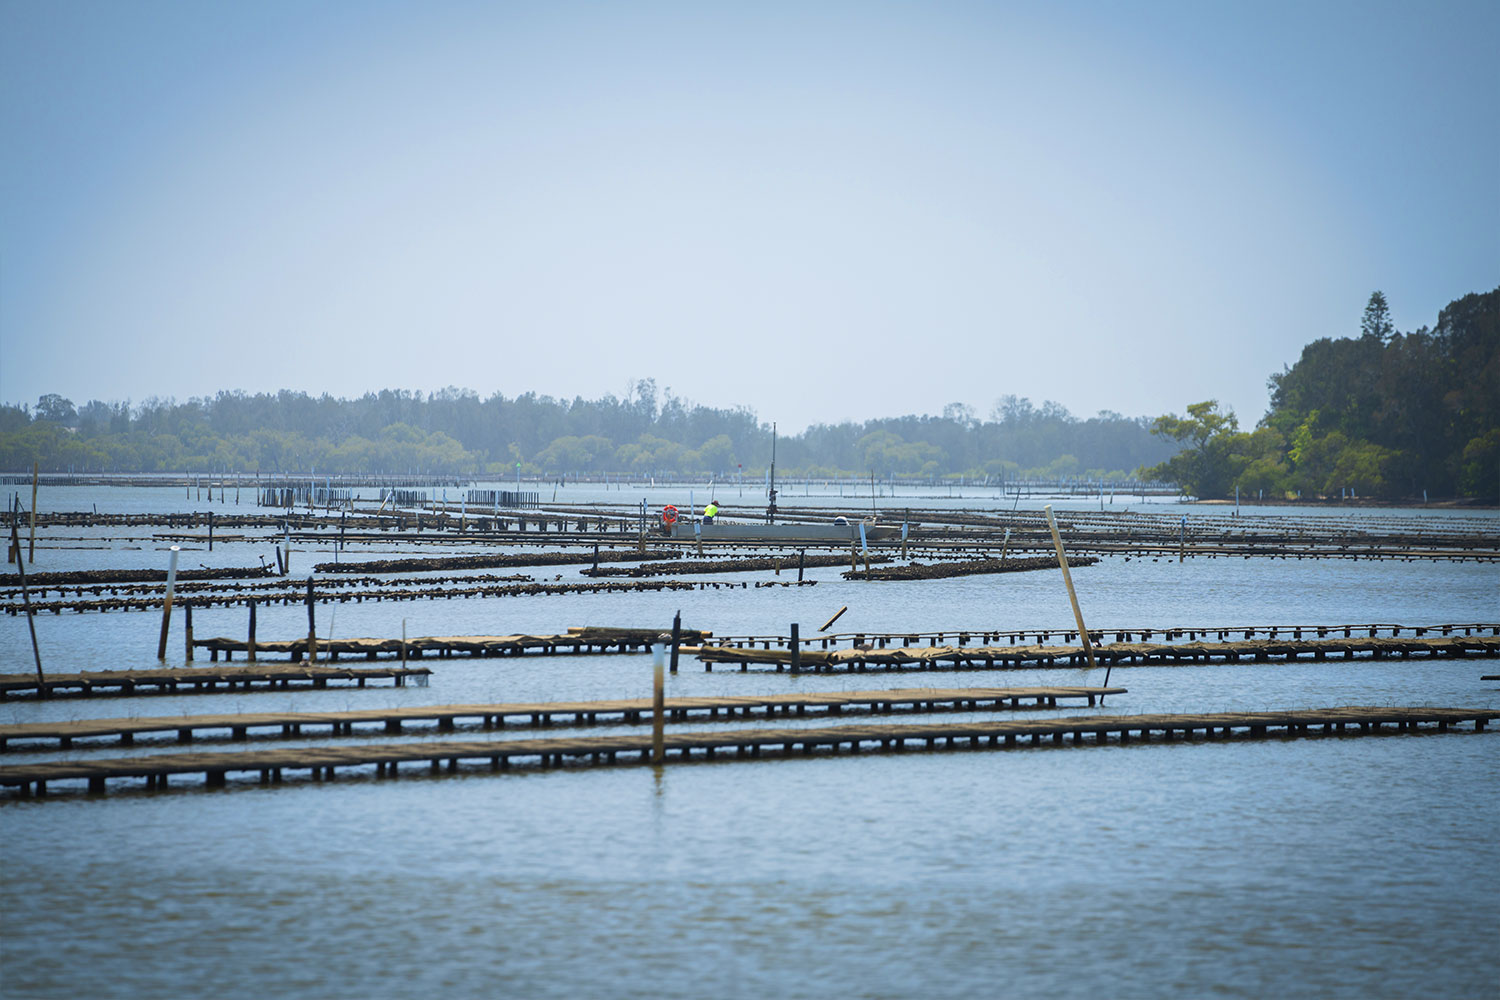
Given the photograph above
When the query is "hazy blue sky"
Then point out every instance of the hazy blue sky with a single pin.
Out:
(820, 211)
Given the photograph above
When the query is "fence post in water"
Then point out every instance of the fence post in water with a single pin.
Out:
(31, 545)
(796, 645)
(343, 517)
(312, 634)
(676, 638)
(658, 705)
(1062, 560)
(286, 565)
(166, 607)
(836, 615)
(801, 556)
(1004, 546)
(250, 637)
(210, 528)
(15, 537)
(187, 629)
(403, 644)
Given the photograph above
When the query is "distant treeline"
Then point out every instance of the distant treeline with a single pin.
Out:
(1384, 414)
(647, 433)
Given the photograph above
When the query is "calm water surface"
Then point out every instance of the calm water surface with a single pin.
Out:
(1352, 867)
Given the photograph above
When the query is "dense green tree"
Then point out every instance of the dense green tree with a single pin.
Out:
(1376, 324)
(1213, 455)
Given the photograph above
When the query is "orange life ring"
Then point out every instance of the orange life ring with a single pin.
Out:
(669, 515)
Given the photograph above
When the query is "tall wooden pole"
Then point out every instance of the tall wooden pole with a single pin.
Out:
(312, 632)
(31, 546)
(166, 607)
(658, 704)
(1062, 560)
(250, 635)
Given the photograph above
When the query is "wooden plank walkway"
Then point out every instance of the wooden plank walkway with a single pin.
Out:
(1100, 636)
(1115, 654)
(627, 710)
(581, 640)
(322, 763)
(200, 680)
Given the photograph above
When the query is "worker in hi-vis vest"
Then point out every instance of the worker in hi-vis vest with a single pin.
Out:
(710, 512)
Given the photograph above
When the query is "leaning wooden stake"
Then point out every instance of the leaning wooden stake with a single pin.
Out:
(166, 606)
(1062, 560)
(15, 541)
(829, 623)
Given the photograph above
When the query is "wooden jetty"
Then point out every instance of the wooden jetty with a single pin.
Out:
(200, 680)
(322, 762)
(1100, 636)
(1116, 654)
(943, 570)
(416, 591)
(581, 640)
(444, 718)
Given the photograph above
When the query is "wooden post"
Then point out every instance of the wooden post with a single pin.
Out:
(250, 639)
(166, 607)
(796, 645)
(187, 628)
(403, 644)
(853, 557)
(286, 565)
(658, 705)
(1004, 546)
(312, 633)
(801, 556)
(15, 538)
(210, 527)
(595, 570)
(1062, 560)
(676, 638)
(343, 516)
(836, 615)
(31, 546)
